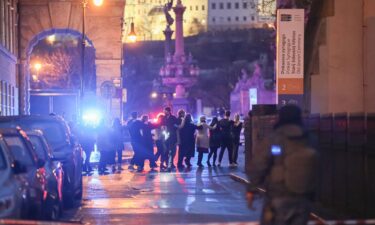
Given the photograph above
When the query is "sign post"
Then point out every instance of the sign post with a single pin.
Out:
(290, 56)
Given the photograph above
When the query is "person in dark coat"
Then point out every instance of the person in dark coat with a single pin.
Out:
(159, 137)
(104, 146)
(171, 123)
(117, 141)
(225, 126)
(134, 126)
(87, 138)
(214, 141)
(236, 133)
(147, 144)
(180, 117)
(187, 141)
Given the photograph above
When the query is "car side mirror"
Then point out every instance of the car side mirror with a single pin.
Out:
(40, 163)
(18, 168)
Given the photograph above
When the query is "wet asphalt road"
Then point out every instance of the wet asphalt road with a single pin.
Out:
(178, 197)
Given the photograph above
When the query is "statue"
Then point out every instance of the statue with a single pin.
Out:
(168, 17)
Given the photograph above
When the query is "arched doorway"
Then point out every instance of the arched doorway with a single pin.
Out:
(54, 70)
(40, 19)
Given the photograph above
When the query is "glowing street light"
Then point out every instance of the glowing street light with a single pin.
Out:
(154, 95)
(51, 39)
(98, 2)
(132, 36)
(37, 67)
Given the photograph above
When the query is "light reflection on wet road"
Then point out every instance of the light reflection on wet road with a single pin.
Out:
(195, 196)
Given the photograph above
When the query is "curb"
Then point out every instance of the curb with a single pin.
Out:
(316, 218)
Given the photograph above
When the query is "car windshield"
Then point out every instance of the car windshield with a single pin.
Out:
(52, 131)
(2, 159)
(39, 147)
(19, 150)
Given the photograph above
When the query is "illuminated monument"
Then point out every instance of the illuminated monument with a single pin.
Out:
(179, 71)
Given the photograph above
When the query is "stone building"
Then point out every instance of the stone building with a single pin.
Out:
(200, 16)
(343, 72)
(8, 58)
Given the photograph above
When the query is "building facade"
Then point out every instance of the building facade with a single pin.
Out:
(343, 77)
(200, 16)
(8, 59)
(229, 14)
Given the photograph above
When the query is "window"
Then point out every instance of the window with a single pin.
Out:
(244, 18)
(213, 19)
(191, 8)
(39, 147)
(236, 5)
(244, 5)
(229, 19)
(213, 5)
(221, 5)
(2, 160)
(229, 5)
(237, 19)
(19, 150)
(203, 8)
(197, 8)
(252, 18)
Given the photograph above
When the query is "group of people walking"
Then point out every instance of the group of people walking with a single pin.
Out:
(171, 133)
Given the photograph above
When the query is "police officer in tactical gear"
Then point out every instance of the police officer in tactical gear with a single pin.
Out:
(285, 164)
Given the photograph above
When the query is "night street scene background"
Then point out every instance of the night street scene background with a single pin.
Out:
(187, 112)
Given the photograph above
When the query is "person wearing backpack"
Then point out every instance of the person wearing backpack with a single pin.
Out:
(285, 165)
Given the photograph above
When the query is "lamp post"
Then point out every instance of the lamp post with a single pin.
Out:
(83, 44)
(132, 38)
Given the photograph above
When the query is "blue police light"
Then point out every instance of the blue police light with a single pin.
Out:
(92, 117)
(276, 150)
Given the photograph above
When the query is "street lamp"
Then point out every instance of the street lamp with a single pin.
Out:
(37, 67)
(132, 36)
(83, 44)
(154, 95)
(98, 2)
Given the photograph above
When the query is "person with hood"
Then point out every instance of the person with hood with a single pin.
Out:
(285, 164)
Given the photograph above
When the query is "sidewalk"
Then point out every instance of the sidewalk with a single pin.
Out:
(319, 215)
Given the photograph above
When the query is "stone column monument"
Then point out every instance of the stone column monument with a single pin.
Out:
(179, 72)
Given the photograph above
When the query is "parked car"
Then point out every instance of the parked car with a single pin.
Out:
(22, 151)
(13, 204)
(54, 173)
(63, 145)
